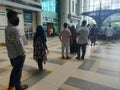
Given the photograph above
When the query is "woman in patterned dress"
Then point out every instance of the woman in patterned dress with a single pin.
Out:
(40, 47)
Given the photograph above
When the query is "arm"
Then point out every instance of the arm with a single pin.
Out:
(46, 48)
(60, 37)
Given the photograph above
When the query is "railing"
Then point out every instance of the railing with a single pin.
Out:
(102, 36)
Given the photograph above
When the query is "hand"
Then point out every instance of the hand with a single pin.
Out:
(47, 51)
(44, 62)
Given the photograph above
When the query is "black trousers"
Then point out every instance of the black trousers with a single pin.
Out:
(16, 73)
(79, 46)
(73, 47)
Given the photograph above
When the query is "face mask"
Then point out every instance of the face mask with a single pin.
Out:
(15, 22)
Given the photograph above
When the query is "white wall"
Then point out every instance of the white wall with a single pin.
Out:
(64, 11)
(3, 23)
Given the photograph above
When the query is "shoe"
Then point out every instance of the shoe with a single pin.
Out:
(10, 88)
(23, 87)
(77, 58)
(40, 69)
(82, 58)
(67, 57)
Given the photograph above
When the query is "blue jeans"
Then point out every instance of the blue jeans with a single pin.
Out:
(16, 73)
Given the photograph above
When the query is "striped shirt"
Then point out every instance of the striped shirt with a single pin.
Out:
(14, 43)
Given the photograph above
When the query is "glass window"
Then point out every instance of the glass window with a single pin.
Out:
(49, 5)
(105, 4)
(73, 6)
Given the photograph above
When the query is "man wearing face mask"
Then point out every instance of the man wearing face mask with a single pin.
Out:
(16, 52)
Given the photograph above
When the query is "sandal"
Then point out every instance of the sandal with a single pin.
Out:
(23, 87)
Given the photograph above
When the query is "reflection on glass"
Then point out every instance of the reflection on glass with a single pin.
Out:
(105, 4)
(49, 5)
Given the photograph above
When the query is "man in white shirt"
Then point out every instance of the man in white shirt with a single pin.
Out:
(64, 37)
(82, 40)
(109, 33)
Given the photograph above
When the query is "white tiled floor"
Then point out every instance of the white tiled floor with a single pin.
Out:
(106, 56)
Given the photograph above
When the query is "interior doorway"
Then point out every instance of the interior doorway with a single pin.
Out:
(28, 30)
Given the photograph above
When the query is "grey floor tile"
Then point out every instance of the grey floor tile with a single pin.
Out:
(60, 62)
(86, 85)
(87, 64)
(108, 72)
(36, 75)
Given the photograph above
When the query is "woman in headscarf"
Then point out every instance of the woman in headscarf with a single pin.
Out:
(40, 47)
(73, 43)
(93, 34)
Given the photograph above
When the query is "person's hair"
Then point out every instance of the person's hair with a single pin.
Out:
(94, 24)
(65, 25)
(11, 13)
(84, 23)
(73, 27)
(88, 25)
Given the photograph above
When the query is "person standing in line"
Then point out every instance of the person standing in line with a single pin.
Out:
(73, 43)
(64, 37)
(40, 47)
(16, 52)
(89, 28)
(109, 33)
(93, 34)
(82, 40)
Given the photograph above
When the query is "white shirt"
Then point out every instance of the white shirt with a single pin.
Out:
(83, 35)
(109, 31)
